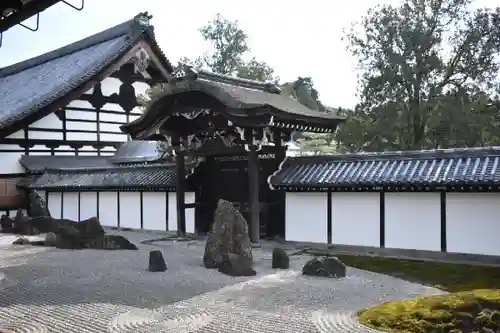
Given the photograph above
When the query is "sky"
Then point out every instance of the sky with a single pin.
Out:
(296, 38)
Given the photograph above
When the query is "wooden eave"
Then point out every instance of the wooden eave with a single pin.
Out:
(186, 94)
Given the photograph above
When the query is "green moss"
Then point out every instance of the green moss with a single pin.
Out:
(474, 301)
(449, 277)
(457, 312)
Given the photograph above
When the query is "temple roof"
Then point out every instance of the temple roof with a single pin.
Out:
(33, 88)
(132, 177)
(240, 99)
(131, 152)
(401, 170)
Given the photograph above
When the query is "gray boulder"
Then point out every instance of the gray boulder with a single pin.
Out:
(156, 262)
(280, 259)
(325, 267)
(235, 265)
(229, 235)
(21, 241)
(37, 207)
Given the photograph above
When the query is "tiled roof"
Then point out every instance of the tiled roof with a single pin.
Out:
(108, 178)
(138, 151)
(37, 164)
(461, 167)
(131, 152)
(30, 85)
(242, 98)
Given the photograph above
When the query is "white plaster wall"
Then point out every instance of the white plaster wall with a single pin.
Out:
(130, 210)
(306, 217)
(108, 209)
(413, 221)
(88, 205)
(356, 219)
(54, 204)
(473, 223)
(172, 211)
(189, 197)
(50, 121)
(70, 205)
(154, 210)
(10, 162)
(9, 213)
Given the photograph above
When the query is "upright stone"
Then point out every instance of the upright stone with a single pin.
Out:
(229, 234)
(280, 259)
(156, 262)
(37, 207)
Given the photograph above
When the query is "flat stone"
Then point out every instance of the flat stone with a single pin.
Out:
(325, 267)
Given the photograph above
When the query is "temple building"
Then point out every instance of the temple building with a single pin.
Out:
(63, 109)
(72, 129)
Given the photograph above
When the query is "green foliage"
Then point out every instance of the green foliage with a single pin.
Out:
(229, 45)
(426, 67)
(257, 71)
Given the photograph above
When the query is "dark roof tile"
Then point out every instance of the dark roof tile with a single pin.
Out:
(38, 164)
(108, 178)
(425, 168)
(242, 97)
(33, 84)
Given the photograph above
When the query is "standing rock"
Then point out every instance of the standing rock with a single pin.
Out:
(6, 223)
(229, 234)
(325, 267)
(235, 265)
(156, 262)
(281, 259)
(37, 207)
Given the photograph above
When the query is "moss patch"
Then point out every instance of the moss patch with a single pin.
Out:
(449, 277)
(472, 306)
(471, 311)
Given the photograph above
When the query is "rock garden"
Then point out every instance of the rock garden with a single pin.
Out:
(60, 233)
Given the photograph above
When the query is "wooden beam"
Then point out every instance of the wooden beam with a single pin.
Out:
(253, 186)
(180, 192)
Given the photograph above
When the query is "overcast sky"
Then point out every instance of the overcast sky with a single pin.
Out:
(296, 38)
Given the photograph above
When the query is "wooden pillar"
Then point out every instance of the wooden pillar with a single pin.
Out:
(278, 223)
(253, 187)
(180, 190)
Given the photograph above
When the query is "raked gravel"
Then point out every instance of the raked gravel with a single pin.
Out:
(89, 291)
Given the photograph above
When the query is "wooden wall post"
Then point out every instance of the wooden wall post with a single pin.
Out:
(253, 189)
(180, 188)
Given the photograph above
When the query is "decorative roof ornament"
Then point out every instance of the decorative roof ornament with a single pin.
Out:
(143, 19)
